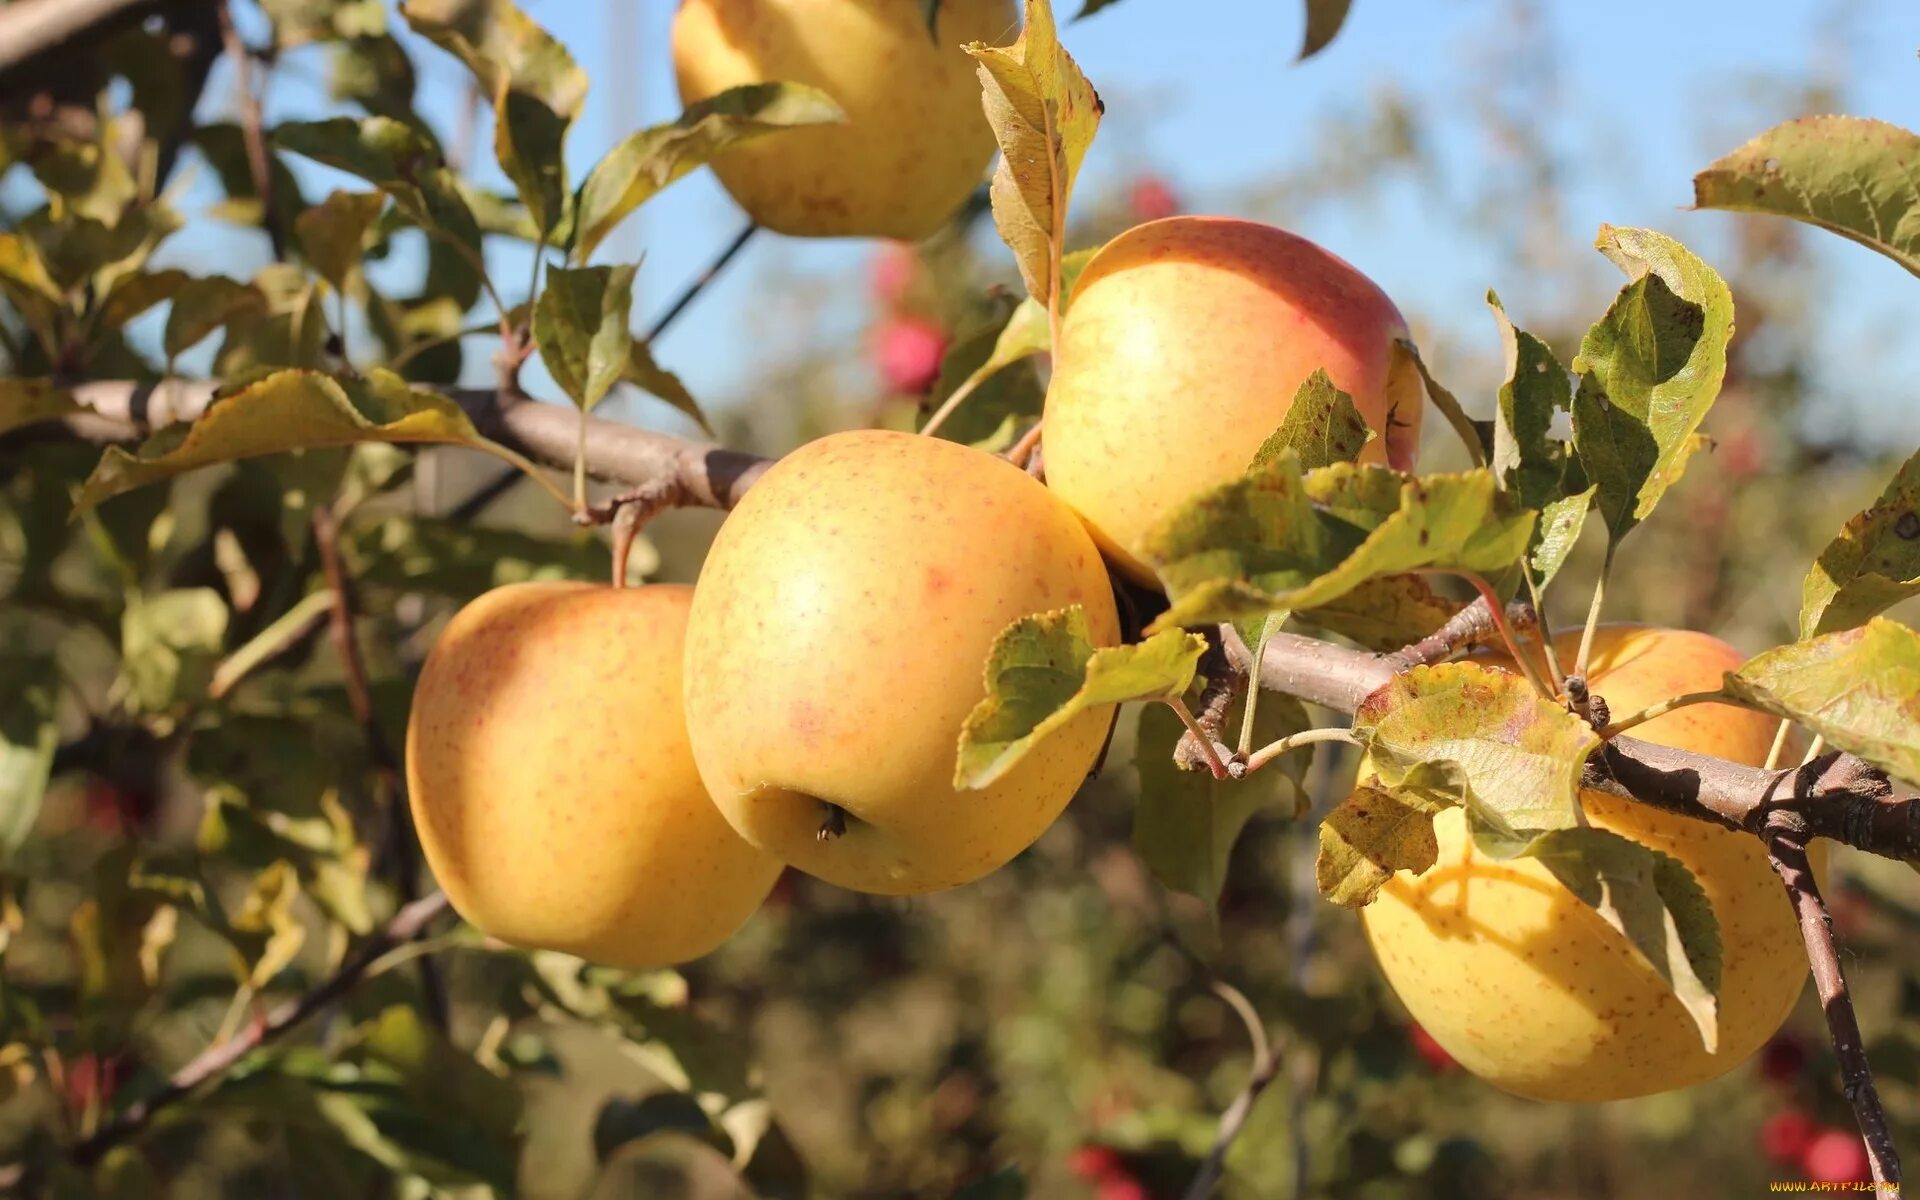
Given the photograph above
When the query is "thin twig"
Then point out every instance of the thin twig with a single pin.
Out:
(253, 131)
(1024, 448)
(1498, 612)
(1201, 739)
(1661, 709)
(1221, 687)
(387, 768)
(216, 1060)
(1473, 625)
(1265, 1070)
(1787, 851)
(1293, 741)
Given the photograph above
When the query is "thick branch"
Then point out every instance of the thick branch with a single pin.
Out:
(216, 1060)
(703, 475)
(32, 27)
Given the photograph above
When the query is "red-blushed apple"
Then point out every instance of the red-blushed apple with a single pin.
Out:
(1431, 1052)
(908, 351)
(1180, 354)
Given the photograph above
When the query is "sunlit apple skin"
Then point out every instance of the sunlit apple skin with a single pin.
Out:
(552, 784)
(916, 142)
(1181, 352)
(838, 640)
(1525, 985)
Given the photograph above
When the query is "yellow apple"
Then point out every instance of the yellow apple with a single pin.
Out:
(1181, 352)
(838, 639)
(1527, 987)
(552, 785)
(916, 141)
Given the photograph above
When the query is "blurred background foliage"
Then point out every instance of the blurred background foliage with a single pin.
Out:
(219, 832)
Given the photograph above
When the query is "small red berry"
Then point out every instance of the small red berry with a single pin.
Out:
(1836, 1156)
(1150, 198)
(1430, 1051)
(1783, 1058)
(1785, 1135)
(908, 351)
(1095, 1163)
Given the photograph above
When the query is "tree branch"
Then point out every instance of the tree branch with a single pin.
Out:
(29, 28)
(1266, 1068)
(1787, 850)
(216, 1060)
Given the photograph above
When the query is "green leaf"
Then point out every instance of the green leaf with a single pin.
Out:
(643, 163)
(1655, 903)
(983, 357)
(503, 48)
(1519, 755)
(1560, 524)
(1044, 114)
(25, 281)
(333, 233)
(1007, 1183)
(655, 380)
(134, 294)
(287, 410)
(168, 644)
(1373, 833)
(461, 560)
(1186, 823)
(204, 305)
(580, 322)
(1383, 614)
(1649, 371)
(395, 158)
(1324, 19)
(1474, 435)
(1858, 688)
(1275, 540)
(529, 139)
(438, 1075)
(1044, 670)
(1848, 175)
(29, 735)
(1529, 461)
(1872, 565)
(26, 402)
(1322, 427)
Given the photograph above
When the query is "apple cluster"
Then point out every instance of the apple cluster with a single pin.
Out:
(622, 774)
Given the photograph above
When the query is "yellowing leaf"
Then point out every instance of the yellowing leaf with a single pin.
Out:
(30, 401)
(202, 306)
(266, 933)
(1849, 175)
(393, 157)
(655, 380)
(1652, 901)
(288, 410)
(580, 322)
(1373, 833)
(645, 162)
(1322, 427)
(1518, 755)
(1649, 371)
(1044, 114)
(503, 48)
(1044, 670)
(1872, 565)
(1383, 614)
(1858, 688)
(134, 294)
(333, 233)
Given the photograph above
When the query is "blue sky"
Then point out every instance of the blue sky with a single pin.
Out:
(1205, 92)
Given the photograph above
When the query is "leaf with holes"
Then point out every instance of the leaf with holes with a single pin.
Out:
(1649, 371)
(1519, 755)
(1848, 175)
(289, 410)
(1322, 427)
(1044, 670)
(1044, 114)
(1186, 823)
(1373, 833)
(1529, 461)
(1652, 901)
(580, 322)
(638, 167)
(1858, 688)
(1872, 565)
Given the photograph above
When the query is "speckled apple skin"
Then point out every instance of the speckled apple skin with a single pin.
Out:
(552, 785)
(1185, 343)
(916, 141)
(839, 638)
(1527, 987)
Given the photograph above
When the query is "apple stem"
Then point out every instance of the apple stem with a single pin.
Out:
(1499, 613)
(952, 402)
(1714, 696)
(1593, 615)
(1023, 449)
(1779, 747)
(1814, 750)
(1293, 741)
(1545, 629)
(1787, 853)
(833, 822)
